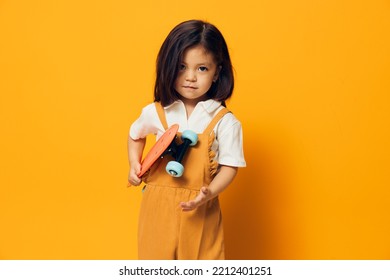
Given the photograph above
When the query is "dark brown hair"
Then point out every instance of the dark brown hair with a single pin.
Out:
(184, 36)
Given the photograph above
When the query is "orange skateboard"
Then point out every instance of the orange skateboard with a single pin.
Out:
(166, 144)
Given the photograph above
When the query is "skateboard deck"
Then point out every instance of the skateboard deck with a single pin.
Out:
(158, 149)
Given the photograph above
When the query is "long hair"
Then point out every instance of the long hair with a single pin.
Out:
(184, 36)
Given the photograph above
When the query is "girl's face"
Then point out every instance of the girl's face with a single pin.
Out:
(197, 72)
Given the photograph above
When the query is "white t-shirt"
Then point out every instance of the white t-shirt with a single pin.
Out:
(228, 143)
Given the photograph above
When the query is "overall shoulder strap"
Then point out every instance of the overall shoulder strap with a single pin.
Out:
(215, 120)
(161, 114)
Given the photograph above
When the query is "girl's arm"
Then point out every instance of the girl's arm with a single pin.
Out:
(135, 149)
(220, 182)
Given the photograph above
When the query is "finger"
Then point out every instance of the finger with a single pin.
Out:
(134, 182)
(188, 206)
(130, 184)
(134, 178)
(204, 190)
(137, 169)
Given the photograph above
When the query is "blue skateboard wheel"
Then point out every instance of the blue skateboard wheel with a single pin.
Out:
(174, 169)
(190, 135)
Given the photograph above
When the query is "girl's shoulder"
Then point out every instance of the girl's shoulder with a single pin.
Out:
(229, 119)
(149, 107)
(228, 124)
(147, 123)
(149, 112)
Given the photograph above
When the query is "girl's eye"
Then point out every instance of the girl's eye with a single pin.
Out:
(182, 67)
(203, 68)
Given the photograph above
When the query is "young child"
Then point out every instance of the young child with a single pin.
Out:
(180, 218)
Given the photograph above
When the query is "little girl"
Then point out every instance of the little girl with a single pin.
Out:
(180, 218)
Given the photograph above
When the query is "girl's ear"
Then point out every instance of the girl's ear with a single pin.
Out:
(216, 75)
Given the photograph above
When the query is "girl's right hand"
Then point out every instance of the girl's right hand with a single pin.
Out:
(133, 179)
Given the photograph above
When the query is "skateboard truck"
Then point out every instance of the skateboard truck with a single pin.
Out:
(175, 168)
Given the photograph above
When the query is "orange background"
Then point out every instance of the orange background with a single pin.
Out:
(312, 92)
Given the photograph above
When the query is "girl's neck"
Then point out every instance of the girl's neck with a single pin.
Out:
(190, 104)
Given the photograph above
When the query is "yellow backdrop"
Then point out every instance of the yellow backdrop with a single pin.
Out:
(313, 95)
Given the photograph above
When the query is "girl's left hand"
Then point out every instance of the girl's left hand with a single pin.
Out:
(203, 196)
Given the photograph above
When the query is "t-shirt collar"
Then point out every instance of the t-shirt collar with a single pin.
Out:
(209, 105)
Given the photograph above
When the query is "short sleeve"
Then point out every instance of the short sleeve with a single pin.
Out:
(147, 123)
(230, 142)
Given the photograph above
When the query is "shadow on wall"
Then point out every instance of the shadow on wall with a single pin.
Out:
(256, 207)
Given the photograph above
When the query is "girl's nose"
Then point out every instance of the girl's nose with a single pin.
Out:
(190, 76)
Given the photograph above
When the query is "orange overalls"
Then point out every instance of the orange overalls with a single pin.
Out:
(165, 231)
